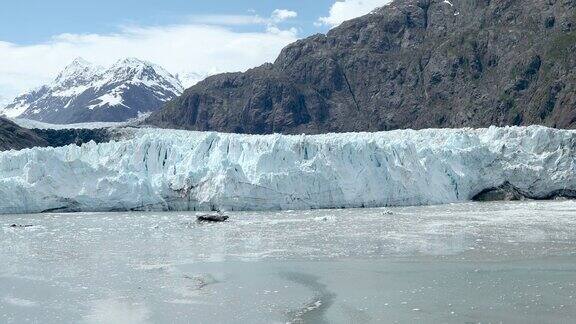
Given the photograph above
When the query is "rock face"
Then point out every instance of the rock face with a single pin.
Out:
(411, 64)
(504, 192)
(14, 137)
(509, 192)
(63, 137)
(84, 92)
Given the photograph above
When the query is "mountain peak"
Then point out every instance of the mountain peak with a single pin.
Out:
(140, 71)
(131, 67)
(84, 92)
(80, 61)
(78, 69)
(78, 64)
(131, 62)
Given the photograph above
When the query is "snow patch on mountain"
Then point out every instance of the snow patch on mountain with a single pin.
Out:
(16, 109)
(30, 124)
(180, 170)
(190, 79)
(113, 99)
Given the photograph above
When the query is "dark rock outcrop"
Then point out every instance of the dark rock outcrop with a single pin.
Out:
(411, 64)
(509, 192)
(14, 137)
(505, 192)
(63, 137)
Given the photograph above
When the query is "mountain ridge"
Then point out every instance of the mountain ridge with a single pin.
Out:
(84, 92)
(411, 64)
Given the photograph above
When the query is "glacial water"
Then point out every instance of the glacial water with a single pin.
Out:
(472, 262)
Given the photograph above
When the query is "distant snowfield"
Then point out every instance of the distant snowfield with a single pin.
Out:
(30, 124)
(181, 170)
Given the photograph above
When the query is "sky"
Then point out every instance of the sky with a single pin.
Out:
(38, 38)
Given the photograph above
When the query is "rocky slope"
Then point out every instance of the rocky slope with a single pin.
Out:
(84, 92)
(14, 137)
(411, 64)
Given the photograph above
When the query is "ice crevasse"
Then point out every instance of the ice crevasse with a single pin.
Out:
(181, 170)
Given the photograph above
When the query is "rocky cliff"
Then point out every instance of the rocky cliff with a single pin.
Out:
(15, 137)
(411, 64)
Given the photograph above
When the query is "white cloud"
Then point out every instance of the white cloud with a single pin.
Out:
(3, 101)
(229, 20)
(277, 16)
(280, 15)
(202, 48)
(344, 10)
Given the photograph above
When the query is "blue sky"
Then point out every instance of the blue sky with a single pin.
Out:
(190, 38)
(32, 21)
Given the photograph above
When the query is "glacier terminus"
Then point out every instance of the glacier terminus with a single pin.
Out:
(161, 170)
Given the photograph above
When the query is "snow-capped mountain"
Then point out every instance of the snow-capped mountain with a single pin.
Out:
(84, 92)
(181, 170)
(189, 79)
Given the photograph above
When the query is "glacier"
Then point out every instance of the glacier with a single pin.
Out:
(159, 170)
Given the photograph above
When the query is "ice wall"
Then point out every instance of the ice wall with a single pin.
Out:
(181, 170)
